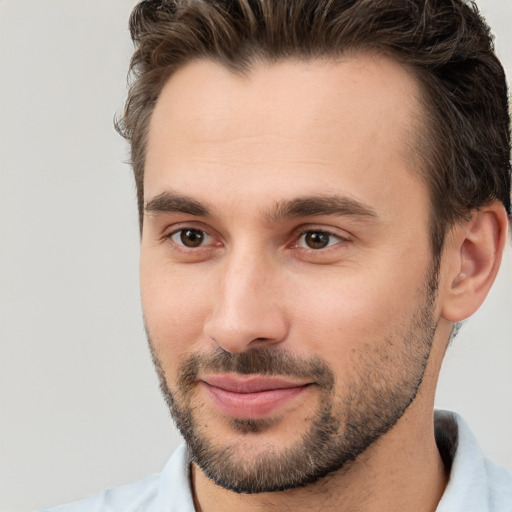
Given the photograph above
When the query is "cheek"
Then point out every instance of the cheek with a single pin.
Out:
(344, 318)
(174, 310)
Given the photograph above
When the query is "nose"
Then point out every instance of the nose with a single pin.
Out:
(248, 310)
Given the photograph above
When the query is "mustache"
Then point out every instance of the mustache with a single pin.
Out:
(259, 361)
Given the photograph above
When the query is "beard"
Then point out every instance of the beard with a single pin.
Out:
(383, 383)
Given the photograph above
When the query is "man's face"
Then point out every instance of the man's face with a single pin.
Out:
(286, 274)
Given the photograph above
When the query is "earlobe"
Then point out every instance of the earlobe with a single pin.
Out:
(474, 251)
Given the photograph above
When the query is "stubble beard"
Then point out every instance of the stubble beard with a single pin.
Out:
(343, 427)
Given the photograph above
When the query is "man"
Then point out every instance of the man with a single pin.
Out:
(324, 191)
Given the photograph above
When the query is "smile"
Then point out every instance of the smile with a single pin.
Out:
(251, 397)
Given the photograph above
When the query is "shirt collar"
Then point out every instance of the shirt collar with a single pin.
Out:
(475, 483)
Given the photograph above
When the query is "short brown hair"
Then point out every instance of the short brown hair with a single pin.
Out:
(465, 147)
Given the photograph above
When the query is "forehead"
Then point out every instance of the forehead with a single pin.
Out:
(294, 126)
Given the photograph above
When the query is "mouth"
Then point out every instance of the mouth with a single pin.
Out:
(251, 396)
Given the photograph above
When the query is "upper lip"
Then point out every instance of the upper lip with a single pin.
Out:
(251, 383)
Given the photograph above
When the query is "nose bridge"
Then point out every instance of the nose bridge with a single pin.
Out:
(247, 311)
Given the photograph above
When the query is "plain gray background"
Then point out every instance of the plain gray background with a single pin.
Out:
(80, 408)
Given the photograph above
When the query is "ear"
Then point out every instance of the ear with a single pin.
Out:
(472, 258)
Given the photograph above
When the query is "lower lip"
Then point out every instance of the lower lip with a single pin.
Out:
(252, 405)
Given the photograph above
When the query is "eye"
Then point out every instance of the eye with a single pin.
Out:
(317, 240)
(189, 237)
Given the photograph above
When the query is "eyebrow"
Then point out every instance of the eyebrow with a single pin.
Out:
(322, 205)
(170, 202)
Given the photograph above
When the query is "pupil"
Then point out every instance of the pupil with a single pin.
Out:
(317, 240)
(192, 237)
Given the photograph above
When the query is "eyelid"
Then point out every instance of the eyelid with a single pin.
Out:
(213, 239)
(176, 232)
(177, 228)
(341, 235)
(331, 242)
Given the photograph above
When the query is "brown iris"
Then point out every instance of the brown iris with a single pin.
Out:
(191, 237)
(316, 239)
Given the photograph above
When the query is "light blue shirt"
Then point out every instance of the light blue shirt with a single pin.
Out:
(475, 484)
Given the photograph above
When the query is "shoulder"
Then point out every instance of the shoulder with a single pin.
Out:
(500, 487)
(168, 490)
(117, 499)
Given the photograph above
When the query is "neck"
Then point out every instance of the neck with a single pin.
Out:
(402, 471)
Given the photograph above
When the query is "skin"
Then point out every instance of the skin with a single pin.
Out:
(239, 146)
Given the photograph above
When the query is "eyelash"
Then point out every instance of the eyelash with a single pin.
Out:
(323, 233)
(296, 244)
(181, 232)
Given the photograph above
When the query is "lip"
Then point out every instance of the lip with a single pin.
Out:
(252, 396)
